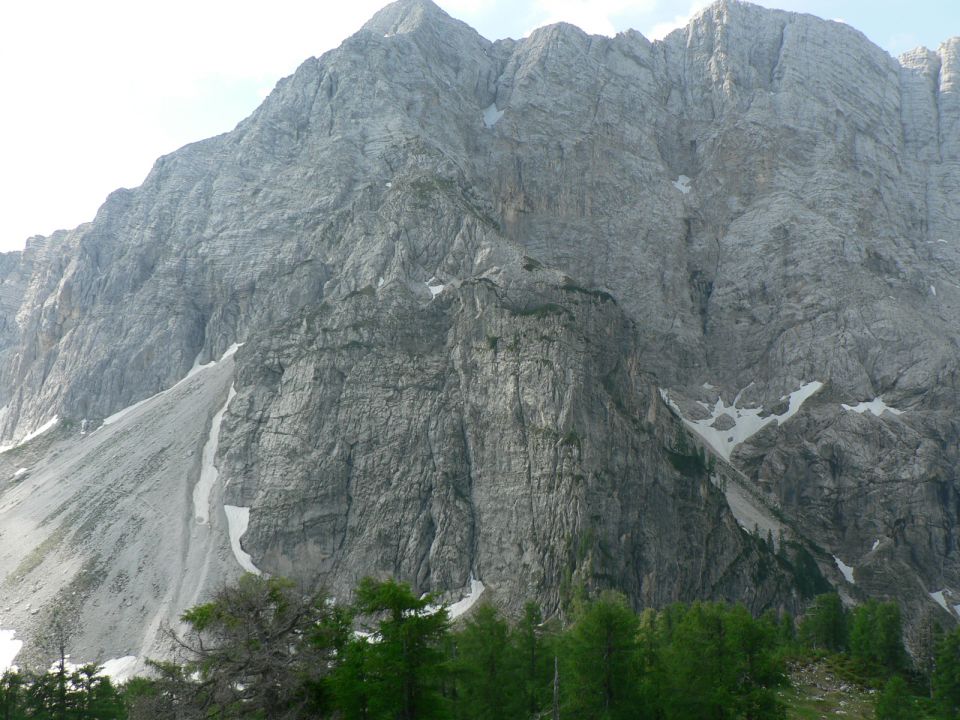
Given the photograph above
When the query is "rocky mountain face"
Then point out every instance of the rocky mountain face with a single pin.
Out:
(678, 318)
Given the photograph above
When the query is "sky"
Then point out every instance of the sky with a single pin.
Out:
(93, 92)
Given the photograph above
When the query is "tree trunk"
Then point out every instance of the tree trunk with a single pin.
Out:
(556, 688)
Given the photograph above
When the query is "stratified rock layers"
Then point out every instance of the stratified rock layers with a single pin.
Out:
(464, 270)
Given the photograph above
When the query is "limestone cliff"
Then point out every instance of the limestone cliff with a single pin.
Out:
(494, 299)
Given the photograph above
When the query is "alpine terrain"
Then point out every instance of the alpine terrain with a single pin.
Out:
(508, 319)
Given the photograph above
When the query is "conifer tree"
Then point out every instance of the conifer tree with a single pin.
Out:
(12, 695)
(825, 624)
(489, 681)
(946, 677)
(530, 642)
(876, 635)
(894, 702)
(402, 672)
(602, 668)
(248, 653)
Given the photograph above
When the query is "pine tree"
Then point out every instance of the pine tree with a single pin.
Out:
(946, 677)
(489, 681)
(245, 654)
(825, 625)
(602, 668)
(530, 643)
(12, 696)
(925, 637)
(876, 636)
(718, 662)
(403, 671)
(92, 696)
(695, 680)
(895, 701)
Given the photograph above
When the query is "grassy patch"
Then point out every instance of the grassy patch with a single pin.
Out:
(816, 691)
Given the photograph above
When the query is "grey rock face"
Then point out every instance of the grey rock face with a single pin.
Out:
(509, 433)
(464, 272)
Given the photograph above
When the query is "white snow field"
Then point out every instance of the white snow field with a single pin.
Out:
(491, 116)
(875, 407)
(208, 470)
(9, 649)
(49, 425)
(749, 512)
(845, 569)
(746, 422)
(938, 598)
(434, 286)
(462, 606)
(238, 520)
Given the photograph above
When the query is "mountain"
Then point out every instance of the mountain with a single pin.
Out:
(678, 318)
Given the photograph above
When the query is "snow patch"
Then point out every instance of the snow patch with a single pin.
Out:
(230, 351)
(434, 286)
(20, 473)
(682, 183)
(939, 599)
(30, 436)
(876, 544)
(208, 471)
(41, 430)
(197, 368)
(933, 291)
(491, 116)
(68, 667)
(875, 406)
(845, 569)
(462, 606)
(746, 421)
(119, 669)
(9, 649)
(238, 520)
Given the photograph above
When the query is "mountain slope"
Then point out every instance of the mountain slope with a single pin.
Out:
(492, 297)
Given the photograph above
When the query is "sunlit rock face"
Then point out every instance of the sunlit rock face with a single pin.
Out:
(494, 300)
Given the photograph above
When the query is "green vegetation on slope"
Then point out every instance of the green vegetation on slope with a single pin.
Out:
(263, 649)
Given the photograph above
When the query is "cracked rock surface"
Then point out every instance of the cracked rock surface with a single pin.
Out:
(463, 272)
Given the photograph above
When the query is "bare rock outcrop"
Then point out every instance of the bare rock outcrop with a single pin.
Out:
(507, 307)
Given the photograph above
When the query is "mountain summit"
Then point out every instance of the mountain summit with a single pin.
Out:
(549, 315)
